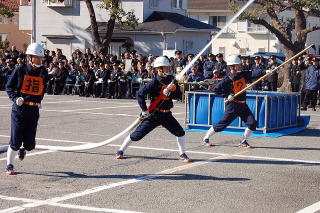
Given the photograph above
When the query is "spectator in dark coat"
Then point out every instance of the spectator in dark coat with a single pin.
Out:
(312, 78)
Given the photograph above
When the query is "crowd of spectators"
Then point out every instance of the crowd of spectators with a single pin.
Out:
(88, 73)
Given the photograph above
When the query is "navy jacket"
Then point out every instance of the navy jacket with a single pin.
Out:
(153, 88)
(312, 78)
(233, 84)
(15, 82)
(208, 69)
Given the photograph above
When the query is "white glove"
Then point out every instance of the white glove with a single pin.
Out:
(268, 71)
(166, 92)
(144, 114)
(230, 98)
(40, 106)
(19, 101)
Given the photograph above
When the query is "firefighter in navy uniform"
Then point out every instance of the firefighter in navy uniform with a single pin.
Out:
(161, 114)
(209, 66)
(234, 82)
(271, 82)
(26, 90)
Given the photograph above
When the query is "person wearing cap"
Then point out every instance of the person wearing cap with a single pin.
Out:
(25, 89)
(295, 73)
(113, 85)
(271, 82)
(161, 115)
(258, 69)
(258, 63)
(221, 65)
(245, 63)
(208, 66)
(177, 61)
(194, 65)
(195, 75)
(231, 84)
(89, 79)
(312, 85)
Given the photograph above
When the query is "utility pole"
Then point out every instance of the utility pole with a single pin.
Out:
(33, 24)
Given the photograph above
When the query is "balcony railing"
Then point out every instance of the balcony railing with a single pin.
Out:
(257, 29)
(57, 3)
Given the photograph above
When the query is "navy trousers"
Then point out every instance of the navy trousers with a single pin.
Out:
(24, 122)
(155, 119)
(232, 111)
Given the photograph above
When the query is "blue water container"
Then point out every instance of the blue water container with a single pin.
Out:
(273, 111)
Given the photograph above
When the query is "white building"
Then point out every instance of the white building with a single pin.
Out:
(67, 26)
(242, 37)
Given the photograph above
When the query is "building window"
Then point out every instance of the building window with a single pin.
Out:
(177, 4)
(218, 21)
(255, 27)
(153, 4)
(187, 46)
(261, 49)
(3, 37)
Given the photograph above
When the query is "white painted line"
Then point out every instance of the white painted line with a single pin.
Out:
(48, 139)
(192, 152)
(58, 102)
(114, 185)
(88, 109)
(92, 113)
(62, 205)
(32, 154)
(310, 209)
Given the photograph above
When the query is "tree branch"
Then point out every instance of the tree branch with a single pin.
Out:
(277, 23)
(310, 29)
(280, 35)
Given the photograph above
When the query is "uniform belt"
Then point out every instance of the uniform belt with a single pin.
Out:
(239, 102)
(163, 110)
(165, 98)
(31, 103)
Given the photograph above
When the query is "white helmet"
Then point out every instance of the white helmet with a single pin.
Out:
(233, 60)
(35, 49)
(161, 61)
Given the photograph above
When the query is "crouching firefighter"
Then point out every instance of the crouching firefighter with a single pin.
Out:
(26, 90)
(234, 82)
(157, 114)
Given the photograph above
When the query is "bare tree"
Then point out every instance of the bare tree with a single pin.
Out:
(126, 20)
(293, 32)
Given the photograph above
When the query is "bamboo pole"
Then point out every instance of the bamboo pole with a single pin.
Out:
(268, 74)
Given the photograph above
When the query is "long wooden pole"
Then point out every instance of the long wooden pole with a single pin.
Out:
(268, 74)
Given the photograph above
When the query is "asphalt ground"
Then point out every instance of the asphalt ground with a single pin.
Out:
(278, 175)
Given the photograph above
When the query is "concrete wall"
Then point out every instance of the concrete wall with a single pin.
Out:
(164, 5)
(72, 22)
(236, 41)
(16, 37)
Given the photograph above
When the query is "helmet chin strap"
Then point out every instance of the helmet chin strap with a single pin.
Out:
(32, 64)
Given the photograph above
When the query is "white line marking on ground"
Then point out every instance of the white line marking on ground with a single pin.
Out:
(93, 113)
(48, 139)
(88, 109)
(58, 102)
(192, 152)
(63, 205)
(117, 184)
(310, 209)
(76, 110)
(32, 154)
